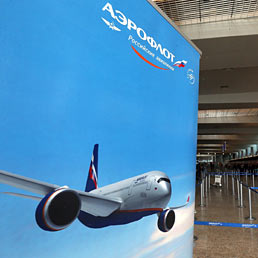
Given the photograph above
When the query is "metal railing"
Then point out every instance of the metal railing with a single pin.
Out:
(236, 177)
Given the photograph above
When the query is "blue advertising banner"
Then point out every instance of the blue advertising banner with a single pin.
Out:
(79, 73)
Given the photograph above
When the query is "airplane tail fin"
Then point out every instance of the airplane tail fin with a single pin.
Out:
(92, 181)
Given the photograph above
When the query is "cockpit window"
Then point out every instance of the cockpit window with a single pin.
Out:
(164, 179)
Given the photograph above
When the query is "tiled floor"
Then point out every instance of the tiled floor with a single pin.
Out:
(222, 206)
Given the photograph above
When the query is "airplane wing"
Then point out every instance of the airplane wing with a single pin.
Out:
(107, 22)
(115, 28)
(97, 205)
(25, 183)
(174, 208)
(32, 197)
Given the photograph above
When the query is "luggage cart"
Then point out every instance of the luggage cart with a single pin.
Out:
(218, 180)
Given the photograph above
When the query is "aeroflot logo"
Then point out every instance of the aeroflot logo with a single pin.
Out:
(154, 46)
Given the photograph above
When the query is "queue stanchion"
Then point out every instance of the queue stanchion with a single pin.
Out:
(202, 194)
(233, 185)
(206, 185)
(238, 192)
(209, 181)
(241, 203)
(253, 180)
(203, 187)
(227, 181)
(250, 205)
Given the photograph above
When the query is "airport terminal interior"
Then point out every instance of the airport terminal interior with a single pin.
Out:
(67, 84)
(227, 149)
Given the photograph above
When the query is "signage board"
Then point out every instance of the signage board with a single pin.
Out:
(77, 73)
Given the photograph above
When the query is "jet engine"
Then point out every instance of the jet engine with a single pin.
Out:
(166, 220)
(58, 209)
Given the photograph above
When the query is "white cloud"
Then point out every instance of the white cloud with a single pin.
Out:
(184, 222)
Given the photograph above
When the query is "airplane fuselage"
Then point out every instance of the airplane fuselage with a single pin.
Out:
(140, 196)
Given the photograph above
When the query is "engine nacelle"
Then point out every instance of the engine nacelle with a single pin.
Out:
(166, 220)
(58, 209)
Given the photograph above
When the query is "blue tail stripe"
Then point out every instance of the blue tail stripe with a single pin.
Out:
(93, 171)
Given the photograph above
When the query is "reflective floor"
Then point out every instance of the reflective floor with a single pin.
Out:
(222, 206)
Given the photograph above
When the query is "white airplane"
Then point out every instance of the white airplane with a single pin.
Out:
(116, 204)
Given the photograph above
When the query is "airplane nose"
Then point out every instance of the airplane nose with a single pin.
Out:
(163, 193)
(165, 189)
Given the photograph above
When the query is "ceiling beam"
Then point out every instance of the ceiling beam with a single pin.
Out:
(229, 130)
(209, 145)
(215, 106)
(245, 97)
(229, 120)
(235, 137)
(221, 29)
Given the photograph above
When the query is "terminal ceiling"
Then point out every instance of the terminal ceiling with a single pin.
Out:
(227, 34)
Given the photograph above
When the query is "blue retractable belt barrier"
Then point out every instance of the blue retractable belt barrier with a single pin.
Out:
(254, 188)
(225, 224)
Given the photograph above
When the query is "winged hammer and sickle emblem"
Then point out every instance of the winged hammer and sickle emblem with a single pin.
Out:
(111, 25)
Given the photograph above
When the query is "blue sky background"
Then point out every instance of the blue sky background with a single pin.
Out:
(67, 81)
